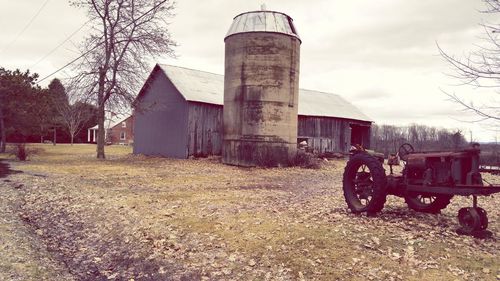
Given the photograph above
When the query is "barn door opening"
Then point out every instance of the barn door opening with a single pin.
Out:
(360, 134)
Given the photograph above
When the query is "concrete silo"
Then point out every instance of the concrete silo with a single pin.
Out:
(261, 86)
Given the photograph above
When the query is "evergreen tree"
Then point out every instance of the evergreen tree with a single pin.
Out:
(18, 97)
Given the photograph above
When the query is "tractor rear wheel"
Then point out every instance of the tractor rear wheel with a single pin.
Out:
(364, 184)
(428, 203)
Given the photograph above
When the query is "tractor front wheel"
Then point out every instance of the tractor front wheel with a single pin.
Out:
(364, 184)
(472, 220)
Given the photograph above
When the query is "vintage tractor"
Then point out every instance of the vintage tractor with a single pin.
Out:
(427, 182)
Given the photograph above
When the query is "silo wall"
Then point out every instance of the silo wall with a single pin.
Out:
(261, 86)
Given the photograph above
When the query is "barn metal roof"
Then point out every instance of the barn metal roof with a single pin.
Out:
(196, 85)
(314, 103)
(263, 21)
(206, 87)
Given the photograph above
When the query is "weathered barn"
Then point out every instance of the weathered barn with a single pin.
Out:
(178, 113)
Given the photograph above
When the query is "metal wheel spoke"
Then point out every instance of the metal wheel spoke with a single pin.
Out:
(365, 200)
(426, 200)
(363, 185)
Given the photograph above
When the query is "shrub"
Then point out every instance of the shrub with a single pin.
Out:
(306, 160)
(21, 152)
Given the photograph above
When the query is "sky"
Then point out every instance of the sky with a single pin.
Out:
(382, 56)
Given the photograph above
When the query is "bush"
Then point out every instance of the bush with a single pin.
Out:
(306, 160)
(22, 153)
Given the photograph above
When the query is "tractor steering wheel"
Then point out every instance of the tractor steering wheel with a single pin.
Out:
(404, 150)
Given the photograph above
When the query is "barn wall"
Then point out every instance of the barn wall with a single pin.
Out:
(329, 134)
(204, 129)
(161, 117)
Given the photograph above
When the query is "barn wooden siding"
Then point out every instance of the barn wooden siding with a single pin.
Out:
(323, 134)
(204, 129)
(330, 134)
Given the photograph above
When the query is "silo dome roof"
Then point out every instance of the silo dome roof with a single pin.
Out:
(263, 21)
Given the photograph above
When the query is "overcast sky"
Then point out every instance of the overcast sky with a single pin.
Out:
(379, 55)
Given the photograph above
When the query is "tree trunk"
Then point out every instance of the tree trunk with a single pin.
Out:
(55, 136)
(41, 134)
(3, 133)
(100, 116)
(72, 137)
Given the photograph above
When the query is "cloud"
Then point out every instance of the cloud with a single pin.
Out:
(371, 95)
(392, 33)
(380, 55)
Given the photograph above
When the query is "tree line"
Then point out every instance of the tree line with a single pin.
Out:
(122, 38)
(30, 113)
(388, 138)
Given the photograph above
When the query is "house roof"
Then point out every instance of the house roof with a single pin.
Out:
(112, 121)
(206, 87)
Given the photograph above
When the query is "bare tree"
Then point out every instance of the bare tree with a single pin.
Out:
(480, 68)
(124, 34)
(388, 138)
(73, 117)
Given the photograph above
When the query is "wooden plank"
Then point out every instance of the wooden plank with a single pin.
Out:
(205, 129)
(327, 134)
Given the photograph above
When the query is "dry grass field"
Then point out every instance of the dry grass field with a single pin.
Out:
(71, 216)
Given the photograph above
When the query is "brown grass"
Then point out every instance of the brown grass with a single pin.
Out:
(241, 223)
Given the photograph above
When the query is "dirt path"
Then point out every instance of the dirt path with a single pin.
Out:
(5, 169)
(23, 254)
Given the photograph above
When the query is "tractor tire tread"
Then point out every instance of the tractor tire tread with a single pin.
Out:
(380, 181)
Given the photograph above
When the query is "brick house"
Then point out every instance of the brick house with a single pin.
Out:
(118, 132)
(122, 132)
